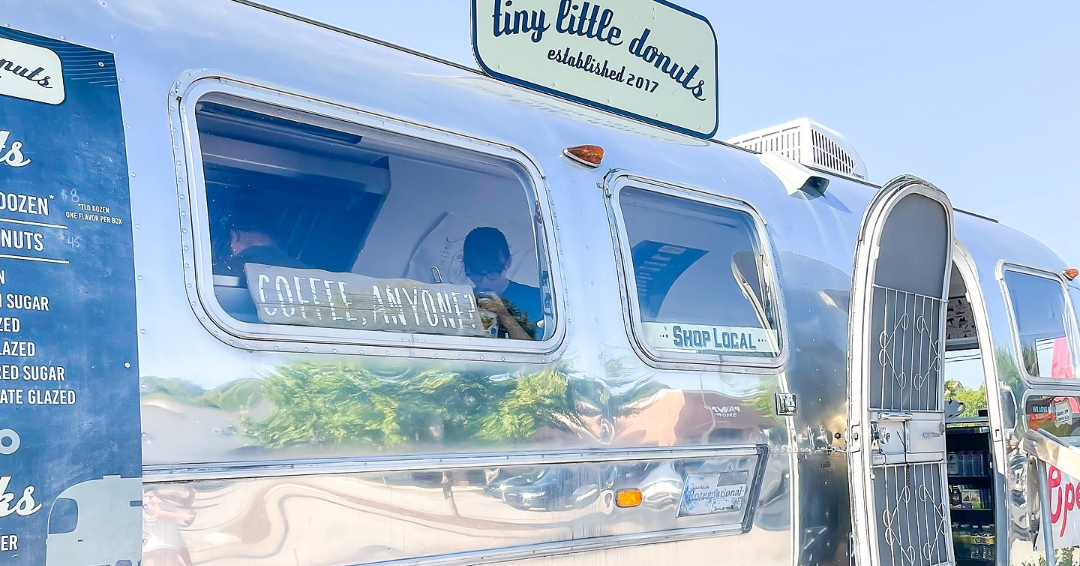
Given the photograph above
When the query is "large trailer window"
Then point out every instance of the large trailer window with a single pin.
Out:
(699, 276)
(314, 223)
(1041, 317)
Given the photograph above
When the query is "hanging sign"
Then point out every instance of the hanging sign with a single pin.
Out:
(647, 59)
(70, 462)
(709, 339)
(313, 297)
(1064, 510)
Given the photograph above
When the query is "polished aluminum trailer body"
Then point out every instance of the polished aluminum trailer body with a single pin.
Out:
(421, 502)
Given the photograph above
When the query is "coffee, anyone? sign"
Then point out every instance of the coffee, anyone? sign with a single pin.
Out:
(647, 59)
(313, 297)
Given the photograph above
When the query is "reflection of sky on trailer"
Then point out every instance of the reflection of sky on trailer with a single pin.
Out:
(965, 366)
(1044, 353)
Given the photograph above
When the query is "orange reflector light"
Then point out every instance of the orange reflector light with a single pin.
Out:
(1071, 273)
(587, 155)
(628, 497)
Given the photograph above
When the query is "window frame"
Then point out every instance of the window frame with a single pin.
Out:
(618, 180)
(195, 228)
(1014, 329)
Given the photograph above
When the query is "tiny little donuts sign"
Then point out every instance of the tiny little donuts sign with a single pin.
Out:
(648, 59)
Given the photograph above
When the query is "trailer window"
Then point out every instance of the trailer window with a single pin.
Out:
(698, 272)
(318, 224)
(1041, 317)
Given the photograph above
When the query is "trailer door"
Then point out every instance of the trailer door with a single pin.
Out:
(897, 423)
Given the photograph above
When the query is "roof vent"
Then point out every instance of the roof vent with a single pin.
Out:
(809, 143)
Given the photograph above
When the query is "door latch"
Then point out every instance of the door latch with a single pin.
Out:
(879, 434)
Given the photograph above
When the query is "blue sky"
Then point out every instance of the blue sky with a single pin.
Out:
(979, 98)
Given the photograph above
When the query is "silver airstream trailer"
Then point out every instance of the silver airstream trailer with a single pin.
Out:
(332, 301)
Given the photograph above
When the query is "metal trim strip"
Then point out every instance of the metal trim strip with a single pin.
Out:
(512, 553)
(170, 473)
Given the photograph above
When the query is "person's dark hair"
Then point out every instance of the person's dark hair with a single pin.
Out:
(485, 251)
(251, 214)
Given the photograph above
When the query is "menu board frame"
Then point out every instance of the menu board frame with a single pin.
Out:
(70, 445)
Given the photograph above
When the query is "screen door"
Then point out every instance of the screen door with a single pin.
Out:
(899, 293)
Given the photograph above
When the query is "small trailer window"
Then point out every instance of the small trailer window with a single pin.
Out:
(699, 277)
(1041, 318)
(315, 223)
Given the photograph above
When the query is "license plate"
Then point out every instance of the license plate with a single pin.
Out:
(720, 492)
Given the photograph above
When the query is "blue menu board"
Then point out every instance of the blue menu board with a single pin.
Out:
(70, 462)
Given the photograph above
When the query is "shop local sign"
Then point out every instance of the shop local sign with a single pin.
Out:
(647, 59)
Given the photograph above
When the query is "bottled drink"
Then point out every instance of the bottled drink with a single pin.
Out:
(962, 541)
(953, 464)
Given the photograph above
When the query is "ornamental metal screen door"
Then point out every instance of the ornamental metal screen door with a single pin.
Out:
(896, 417)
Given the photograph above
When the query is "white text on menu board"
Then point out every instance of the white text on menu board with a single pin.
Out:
(13, 157)
(25, 505)
(26, 236)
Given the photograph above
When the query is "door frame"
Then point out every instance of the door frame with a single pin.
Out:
(999, 429)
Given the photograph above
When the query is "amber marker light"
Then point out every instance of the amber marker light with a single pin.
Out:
(1071, 273)
(587, 155)
(628, 497)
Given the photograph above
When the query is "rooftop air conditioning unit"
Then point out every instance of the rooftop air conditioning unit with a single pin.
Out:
(807, 142)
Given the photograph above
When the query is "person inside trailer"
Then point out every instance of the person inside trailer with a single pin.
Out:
(256, 246)
(486, 258)
(244, 236)
(251, 241)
